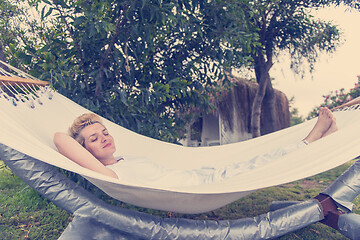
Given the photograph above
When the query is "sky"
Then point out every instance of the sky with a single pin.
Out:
(333, 71)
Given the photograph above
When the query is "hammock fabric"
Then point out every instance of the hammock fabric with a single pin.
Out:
(97, 220)
(30, 130)
(94, 219)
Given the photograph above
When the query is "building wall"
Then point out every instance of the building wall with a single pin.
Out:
(210, 130)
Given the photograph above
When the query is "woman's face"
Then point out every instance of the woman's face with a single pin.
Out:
(98, 141)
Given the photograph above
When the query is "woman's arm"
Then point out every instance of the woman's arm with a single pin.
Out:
(71, 149)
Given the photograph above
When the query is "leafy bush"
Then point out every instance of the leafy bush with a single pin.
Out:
(337, 98)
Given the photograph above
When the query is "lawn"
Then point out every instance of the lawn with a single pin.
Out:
(24, 214)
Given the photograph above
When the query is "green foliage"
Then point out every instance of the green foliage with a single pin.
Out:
(8, 14)
(350, 3)
(295, 118)
(8, 11)
(281, 25)
(337, 98)
(137, 63)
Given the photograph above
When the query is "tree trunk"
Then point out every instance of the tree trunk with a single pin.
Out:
(262, 68)
(269, 104)
(260, 93)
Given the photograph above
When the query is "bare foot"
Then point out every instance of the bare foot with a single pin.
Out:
(333, 128)
(322, 125)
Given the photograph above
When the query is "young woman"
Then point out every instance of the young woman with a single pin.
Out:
(90, 145)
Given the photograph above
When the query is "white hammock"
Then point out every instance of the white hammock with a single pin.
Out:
(30, 131)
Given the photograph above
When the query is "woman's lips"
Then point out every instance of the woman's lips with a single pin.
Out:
(107, 145)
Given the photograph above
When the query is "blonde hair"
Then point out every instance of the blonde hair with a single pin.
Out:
(80, 123)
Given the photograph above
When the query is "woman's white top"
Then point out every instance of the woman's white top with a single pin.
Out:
(144, 172)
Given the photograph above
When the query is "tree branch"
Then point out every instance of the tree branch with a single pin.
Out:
(120, 22)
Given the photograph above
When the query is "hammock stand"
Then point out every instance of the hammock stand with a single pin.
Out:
(94, 219)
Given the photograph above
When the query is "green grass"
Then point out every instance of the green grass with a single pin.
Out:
(24, 214)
